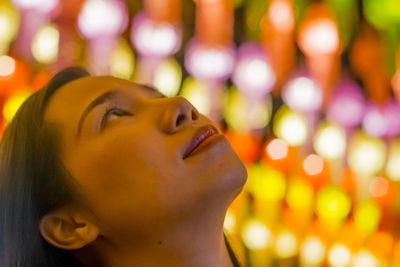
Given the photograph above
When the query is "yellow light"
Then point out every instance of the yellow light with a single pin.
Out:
(365, 258)
(333, 204)
(312, 251)
(313, 164)
(339, 256)
(45, 44)
(367, 154)
(256, 235)
(168, 77)
(197, 93)
(266, 183)
(277, 149)
(122, 63)
(367, 216)
(393, 164)
(9, 20)
(7, 65)
(229, 222)
(290, 126)
(13, 103)
(300, 194)
(330, 142)
(285, 244)
(242, 114)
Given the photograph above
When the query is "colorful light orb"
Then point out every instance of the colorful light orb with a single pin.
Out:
(380, 244)
(153, 38)
(330, 141)
(290, 126)
(246, 145)
(168, 77)
(347, 107)
(266, 184)
(13, 103)
(382, 190)
(319, 36)
(122, 63)
(339, 256)
(392, 112)
(367, 154)
(393, 163)
(7, 66)
(279, 155)
(396, 252)
(45, 44)
(229, 222)
(313, 164)
(9, 22)
(277, 149)
(100, 18)
(366, 217)
(244, 114)
(302, 94)
(382, 14)
(364, 258)
(374, 122)
(280, 14)
(300, 194)
(198, 94)
(333, 204)
(285, 244)
(253, 74)
(256, 235)
(312, 251)
(209, 62)
(43, 6)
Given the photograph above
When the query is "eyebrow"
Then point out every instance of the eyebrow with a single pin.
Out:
(104, 98)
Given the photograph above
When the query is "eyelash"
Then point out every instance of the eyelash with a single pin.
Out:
(111, 107)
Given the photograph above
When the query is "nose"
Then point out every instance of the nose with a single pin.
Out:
(179, 112)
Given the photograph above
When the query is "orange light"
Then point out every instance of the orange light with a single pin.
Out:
(279, 155)
(381, 244)
(15, 80)
(246, 145)
(40, 80)
(351, 237)
(382, 190)
(396, 252)
(280, 14)
(316, 170)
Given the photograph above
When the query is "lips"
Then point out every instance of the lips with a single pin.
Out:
(200, 136)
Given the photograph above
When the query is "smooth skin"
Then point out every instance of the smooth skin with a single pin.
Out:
(142, 203)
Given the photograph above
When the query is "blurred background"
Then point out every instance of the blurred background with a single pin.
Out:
(304, 90)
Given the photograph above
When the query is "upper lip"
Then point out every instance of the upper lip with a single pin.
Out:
(199, 136)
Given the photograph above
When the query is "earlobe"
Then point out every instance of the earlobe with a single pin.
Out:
(67, 232)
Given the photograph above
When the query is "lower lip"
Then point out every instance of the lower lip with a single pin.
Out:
(210, 140)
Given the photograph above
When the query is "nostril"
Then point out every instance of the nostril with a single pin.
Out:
(180, 118)
(194, 115)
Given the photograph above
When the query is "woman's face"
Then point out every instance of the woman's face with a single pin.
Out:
(130, 169)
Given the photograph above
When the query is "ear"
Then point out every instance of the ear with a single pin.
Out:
(67, 230)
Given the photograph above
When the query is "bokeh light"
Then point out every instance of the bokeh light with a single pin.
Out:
(290, 126)
(197, 93)
(256, 235)
(366, 217)
(312, 251)
(330, 142)
(45, 44)
(286, 244)
(339, 256)
(333, 204)
(168, 77)
(393, 162)
(122, 61)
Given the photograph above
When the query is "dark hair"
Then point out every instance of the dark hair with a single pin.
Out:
(34, 182)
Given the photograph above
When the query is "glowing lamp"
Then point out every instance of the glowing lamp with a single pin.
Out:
(339, 256)
(244, 114)
(256, 235)
(312, 251)
(13, 103)
(302, 94)
(9, 22)
(155, 38)
(285, 245)
(209, 62)
(382, 190)
(333, 204)
(168, 77)
(43, 6)
(330, 142)
(45, 44)
(300, 195)
(198, 94)
(347, 106)
(253, 73)
(122, 61)
(364, 258)
(290, 126)
(393, 163)
(366, 217)
(100, 18)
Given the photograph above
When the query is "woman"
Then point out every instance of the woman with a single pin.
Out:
(99, 171)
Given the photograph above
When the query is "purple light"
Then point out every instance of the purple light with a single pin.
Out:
(382, 120)
(347, 106)
(209, 63)
(253, 73)
(155, 38)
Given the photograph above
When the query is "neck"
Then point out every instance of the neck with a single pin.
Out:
(195, 242)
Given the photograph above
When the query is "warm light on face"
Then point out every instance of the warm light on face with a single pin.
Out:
(256, 235)
(168, 77)
(198, 95)
(330, 142)
(320, 37)
(45, 44)
(7, 65)
(290, 127)
(277, 149)
(312, 251)
(280, 14)
(285, 245)
(302, 94)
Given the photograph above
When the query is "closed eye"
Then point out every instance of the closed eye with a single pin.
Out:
(112, 110)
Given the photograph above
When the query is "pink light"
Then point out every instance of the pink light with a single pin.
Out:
(313, 164)
(382, 120)
(43, 6)
(277, 149)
